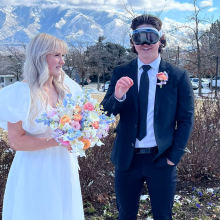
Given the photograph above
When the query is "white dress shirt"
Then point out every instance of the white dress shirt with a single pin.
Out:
(149, 139)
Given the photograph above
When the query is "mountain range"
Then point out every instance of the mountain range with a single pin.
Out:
(20, 23)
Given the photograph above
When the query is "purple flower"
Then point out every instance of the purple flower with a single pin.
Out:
(200, 193)
(198, 205)
(58, 132)
(51, 113)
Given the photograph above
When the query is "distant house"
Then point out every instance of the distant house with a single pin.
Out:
(7, 79)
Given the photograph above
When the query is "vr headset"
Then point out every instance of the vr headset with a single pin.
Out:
(146, 35)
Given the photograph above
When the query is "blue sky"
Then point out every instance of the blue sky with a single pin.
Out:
(212, 12)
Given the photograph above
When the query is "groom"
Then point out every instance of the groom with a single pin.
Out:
(156, 119)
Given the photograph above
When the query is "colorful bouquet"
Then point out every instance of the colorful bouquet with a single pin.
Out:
(78, 121)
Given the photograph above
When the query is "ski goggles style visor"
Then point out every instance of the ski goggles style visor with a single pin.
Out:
(146, 35)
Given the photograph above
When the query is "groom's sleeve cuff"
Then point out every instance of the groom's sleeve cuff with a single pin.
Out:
(175, 155)
(121, 100)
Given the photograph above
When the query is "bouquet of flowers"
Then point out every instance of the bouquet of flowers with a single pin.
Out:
(78, 121)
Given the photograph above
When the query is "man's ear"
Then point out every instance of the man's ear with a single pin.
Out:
(160, 43)
(131, 43)
(162, 39)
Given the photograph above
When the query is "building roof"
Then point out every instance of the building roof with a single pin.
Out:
(8, 76)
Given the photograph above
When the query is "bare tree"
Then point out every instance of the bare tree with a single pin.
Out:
(69, 63)
(194, 38)
(80, 60)
(16, 55)
(128, 8)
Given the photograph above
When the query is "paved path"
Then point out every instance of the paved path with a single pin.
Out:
(206, 92)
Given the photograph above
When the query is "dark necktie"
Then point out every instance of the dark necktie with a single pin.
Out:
(143, 103)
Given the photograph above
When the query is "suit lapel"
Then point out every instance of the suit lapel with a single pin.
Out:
(160, 91)
(132, 73)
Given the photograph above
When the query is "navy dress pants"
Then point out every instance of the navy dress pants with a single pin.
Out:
(161, 183)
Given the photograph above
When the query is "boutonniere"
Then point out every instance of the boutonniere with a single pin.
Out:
(163, 77)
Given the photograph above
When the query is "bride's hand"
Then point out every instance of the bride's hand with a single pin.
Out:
(63, 144)
(67, 146)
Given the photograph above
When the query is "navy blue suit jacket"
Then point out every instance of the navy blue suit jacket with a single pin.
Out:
(173, 115)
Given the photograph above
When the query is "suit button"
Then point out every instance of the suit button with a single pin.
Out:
(135, 126)
(113, 107)
(132, 144)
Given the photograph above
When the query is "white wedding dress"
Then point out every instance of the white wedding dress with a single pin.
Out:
(43, 184)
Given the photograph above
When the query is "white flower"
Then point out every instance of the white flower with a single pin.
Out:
(96, 141)
(78, 151)
(55, 118)
(99, 143)
(77, 144)
(67, 127)
(210, 190)
(69, 113)
(188, 200)
(144, 197)
(93, 101)
(176, 198)
(93, 116)
(54, 125)
(93, 142)
(62, 112)
(64, 137)
(103, 126)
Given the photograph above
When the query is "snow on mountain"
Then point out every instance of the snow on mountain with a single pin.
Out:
(21, 23)
(117, 31)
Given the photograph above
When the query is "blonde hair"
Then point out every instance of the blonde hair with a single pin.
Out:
(36, 71)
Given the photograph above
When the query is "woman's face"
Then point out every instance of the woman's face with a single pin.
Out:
(55, 62)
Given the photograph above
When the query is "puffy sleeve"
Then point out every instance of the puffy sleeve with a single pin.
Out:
(14, 104)
(72, 85)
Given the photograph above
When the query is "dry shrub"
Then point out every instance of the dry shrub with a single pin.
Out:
(97, 171)
(204, 143)
(6, 158)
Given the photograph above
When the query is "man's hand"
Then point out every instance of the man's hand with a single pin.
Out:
(169, 162)
(122, 86)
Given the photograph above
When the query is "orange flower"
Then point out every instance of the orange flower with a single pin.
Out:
(162, 76)
(77, 117)
(95, 124)
(86, 143)
(77, 109)
(65, 119)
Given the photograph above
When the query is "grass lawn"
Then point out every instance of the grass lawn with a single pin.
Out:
(99, 97)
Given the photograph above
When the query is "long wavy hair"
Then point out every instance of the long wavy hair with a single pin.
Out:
(36, 70)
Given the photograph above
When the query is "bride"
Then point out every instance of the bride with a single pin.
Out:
(43, 182)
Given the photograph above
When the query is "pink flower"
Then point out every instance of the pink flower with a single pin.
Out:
(64, 142)
(88, 106)
(51, 113)
(107, 127)
(76, 125)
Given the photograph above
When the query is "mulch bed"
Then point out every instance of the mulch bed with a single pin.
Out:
(106, 208)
